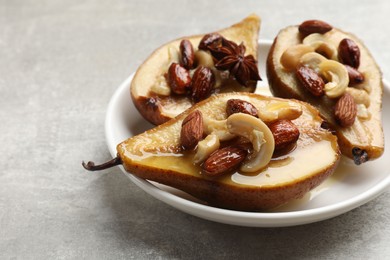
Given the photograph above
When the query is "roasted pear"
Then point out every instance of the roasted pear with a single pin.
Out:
(240, 151)
(334, 71)
(187, 70)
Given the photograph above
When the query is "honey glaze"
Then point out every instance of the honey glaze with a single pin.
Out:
(304, 161)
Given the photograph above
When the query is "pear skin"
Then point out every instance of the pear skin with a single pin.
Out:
(157, 155)
(363, 140)
(158, 109)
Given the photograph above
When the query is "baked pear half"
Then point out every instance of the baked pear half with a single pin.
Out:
(335, 72)
(239, 151)
(189, 69)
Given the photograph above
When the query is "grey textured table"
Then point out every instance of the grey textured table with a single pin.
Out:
(60, 62)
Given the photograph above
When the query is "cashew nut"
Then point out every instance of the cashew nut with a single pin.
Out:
(204, 59)
(275, 110)
(337, 75)
(362, 112)
(161, 86)
(206, 147)
(173, 54)
(290, 57)
(259, 134)
(312, 60)
(321, 45)
(360, 96)
(216, 127)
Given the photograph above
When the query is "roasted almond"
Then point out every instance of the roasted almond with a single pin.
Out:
(178, 78)
(203, 82)
(314, 26)
(210, 40)
(224, 160)
(310, 80)
(349, 53)
(355, 77)
(191, 130)
(187, 58)
(240, 106)
(285, 133)
(345, 110)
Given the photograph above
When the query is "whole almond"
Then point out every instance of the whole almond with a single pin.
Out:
(224, 160)
(240, 106)
(178, 78)
(314, 26)
(203, 82)
(191, 130)
(187, 59)
(345, 110)
(210, 40)
(355, 77)
(310, 80)
(349, 53)
(285, 133)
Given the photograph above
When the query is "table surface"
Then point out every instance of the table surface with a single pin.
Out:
(60, 62)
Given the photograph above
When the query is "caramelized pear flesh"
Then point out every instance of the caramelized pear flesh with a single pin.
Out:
(149, 88)
(157, 155)
(363, 140)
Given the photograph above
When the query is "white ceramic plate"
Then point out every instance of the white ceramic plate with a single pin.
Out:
(349, 187)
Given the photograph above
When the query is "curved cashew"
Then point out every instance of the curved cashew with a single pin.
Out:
(321, 45)
(275, 110)
(216, 127)
(312, 60)
(173, 54)
(362, 112)
(290, 57)
(161, 86)
(337, 75)
(360, 96)
(206, 147)
(259, 134)
(204, 58)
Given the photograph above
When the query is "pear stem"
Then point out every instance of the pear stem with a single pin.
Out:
(90, 166)
(359, 156)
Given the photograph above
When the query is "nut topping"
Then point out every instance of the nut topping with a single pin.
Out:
(349, 53)
(314, 26)
(345, 110)
(210, 40)
(187, 54)
(191, 130)
(311, 80)
(285, 133)
(240, 106)
(224, 160)
(355, 77)
(202, 83)
(178, 78)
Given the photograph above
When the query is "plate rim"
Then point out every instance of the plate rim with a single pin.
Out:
(243, 218)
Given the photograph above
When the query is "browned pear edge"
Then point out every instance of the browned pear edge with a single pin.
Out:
(151, 110)
(280, 89)
(238, 197)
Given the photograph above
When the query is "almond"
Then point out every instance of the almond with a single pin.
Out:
(191, 130)
(285, 133)
(311, 80)
(178, 78)
(345, 110)
(224, 160)
(349, 53)
(187, 59)
(240, 106)
(203, 82)
(355, 77)
(314, 26)
(210, 40)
